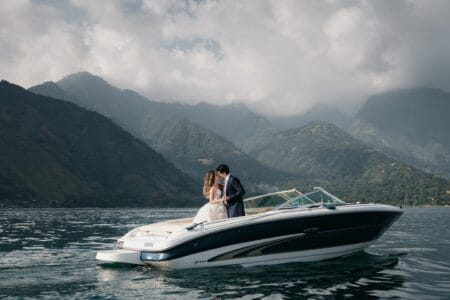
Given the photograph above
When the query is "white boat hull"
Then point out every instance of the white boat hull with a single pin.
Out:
(299, 234)
(201, 259)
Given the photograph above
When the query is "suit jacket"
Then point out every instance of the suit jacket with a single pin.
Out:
(235, 191)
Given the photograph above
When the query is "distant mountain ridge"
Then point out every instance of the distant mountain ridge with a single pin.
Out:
(324, 155)
(235, 122)
(303, 149)
(55, 153)
(420, 114)
(314, 154)
(196, 148)
(321, 112)
(411, 125)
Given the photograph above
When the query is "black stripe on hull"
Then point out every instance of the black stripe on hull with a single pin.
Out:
(254, 250)
(324, 239)
(314, 232)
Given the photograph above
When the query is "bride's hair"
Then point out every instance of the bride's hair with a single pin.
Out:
(208, 183)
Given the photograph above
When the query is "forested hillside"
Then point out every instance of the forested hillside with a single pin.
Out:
(54, 153)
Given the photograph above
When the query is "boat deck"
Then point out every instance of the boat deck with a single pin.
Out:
(173, 225)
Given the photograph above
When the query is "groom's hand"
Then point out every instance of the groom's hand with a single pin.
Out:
(224, 200)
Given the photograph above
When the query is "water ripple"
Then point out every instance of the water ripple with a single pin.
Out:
(50, 254)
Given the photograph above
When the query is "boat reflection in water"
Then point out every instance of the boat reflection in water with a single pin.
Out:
(279, 228)
(362, 276)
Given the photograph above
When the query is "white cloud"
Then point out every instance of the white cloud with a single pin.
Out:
(280, 57)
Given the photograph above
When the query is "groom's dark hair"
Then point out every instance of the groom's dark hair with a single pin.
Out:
(223, 168)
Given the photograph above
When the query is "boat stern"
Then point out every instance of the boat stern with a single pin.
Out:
(120, 256)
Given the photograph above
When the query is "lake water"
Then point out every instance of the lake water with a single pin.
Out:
(50, 253)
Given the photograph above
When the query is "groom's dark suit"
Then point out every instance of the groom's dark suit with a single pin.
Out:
(235, 191)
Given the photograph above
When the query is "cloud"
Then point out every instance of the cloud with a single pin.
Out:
(279, 57)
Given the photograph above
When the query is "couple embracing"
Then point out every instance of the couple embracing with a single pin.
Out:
(224, 194)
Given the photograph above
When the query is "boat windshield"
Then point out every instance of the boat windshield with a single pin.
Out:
(317, 197)
(289, 199)
(271, 200)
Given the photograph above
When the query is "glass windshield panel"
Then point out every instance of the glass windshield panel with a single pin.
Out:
(298, 201)
(318, 196)
(271, 200)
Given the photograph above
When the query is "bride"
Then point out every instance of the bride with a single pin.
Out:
(214, 209)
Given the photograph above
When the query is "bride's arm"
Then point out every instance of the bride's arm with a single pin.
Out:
(218, 201)
(212, 196)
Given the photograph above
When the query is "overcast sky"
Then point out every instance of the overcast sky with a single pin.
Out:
(280, 57)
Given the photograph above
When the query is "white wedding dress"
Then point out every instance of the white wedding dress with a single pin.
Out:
(211, 212)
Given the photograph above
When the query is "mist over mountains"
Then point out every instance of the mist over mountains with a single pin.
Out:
(319, 112)
(411, 125)
(196, 138)
(235, 122)
(173, 129)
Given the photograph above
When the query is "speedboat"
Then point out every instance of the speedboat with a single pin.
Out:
(282, 227)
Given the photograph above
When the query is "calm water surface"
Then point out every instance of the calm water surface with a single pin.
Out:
(51, 254)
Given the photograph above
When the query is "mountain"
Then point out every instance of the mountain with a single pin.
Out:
(53, 90)
(196, 137)
(419, 114)
(321, 112)
(410, 125)
(55, 153)
(187, 135)
(196, 150)
(124, 107)
(235, 122)
(322, 154)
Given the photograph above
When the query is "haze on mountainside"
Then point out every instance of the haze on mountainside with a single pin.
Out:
(316, 154)
(172, 129)
(265, 72)
(277, 57)
(422, 108)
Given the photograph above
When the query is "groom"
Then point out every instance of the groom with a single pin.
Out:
(232, 191)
